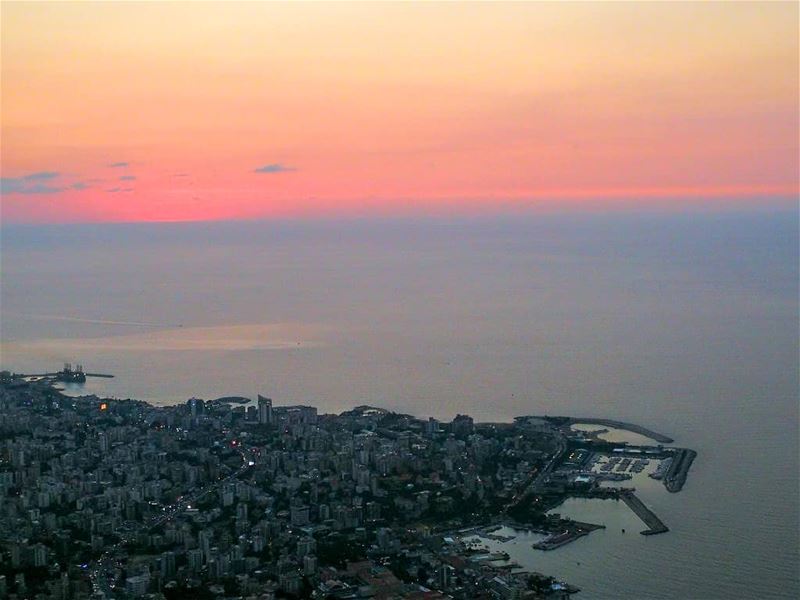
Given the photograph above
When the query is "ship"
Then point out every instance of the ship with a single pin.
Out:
(68, 375)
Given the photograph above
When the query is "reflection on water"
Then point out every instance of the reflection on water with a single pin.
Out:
(219, 338)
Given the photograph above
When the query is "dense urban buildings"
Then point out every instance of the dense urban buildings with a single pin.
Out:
(215, 499)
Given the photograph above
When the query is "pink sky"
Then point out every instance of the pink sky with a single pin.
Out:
(246, 110)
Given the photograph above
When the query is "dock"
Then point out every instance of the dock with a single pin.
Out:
(648, 517)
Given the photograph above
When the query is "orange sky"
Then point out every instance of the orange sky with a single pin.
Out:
(385, 107)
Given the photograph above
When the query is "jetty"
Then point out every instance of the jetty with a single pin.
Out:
(648, 517)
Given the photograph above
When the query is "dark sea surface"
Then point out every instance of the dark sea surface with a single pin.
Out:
(685, 323)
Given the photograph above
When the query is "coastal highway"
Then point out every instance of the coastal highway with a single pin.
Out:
(100, 568)
(537, 480)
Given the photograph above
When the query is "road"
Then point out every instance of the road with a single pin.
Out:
(533, 486)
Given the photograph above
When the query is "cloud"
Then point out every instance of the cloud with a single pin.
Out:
(118, 165)
(274, 168)
(43, 182)
(127, 178)
(41, 175)
(30, 184)
(9, 185)
(114, 190)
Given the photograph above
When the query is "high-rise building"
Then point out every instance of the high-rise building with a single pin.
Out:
(196, 407)
(19, 584)
(168, 564)
(137, 585)
(432, 427)
(299, 515)
(306, 546)
(462, 425)
(264, 410)
(194, 558)
(445, 576)
(204, 540)
(309, 565)
(39, 555)
(65, 586)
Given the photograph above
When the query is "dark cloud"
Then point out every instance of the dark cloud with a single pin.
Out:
(41, 175)
(31, 184)
(127, 178)
(118, 165)
(274, 168)
(42, 182)
(11, 185)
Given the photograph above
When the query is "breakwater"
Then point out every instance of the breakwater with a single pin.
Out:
(654, 435)
(648, 517)
(675, 477)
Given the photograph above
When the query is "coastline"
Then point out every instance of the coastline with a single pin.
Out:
(564, 470)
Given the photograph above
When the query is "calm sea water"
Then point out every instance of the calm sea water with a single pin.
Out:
(687, 324)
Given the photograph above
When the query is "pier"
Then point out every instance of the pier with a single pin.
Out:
(573, 531)
(653, 435)
(648, 517)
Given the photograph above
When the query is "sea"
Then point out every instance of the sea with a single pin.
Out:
(684, 321)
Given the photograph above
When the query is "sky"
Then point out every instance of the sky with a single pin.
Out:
(187, 111)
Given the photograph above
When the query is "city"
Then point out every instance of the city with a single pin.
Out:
(229, 498)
